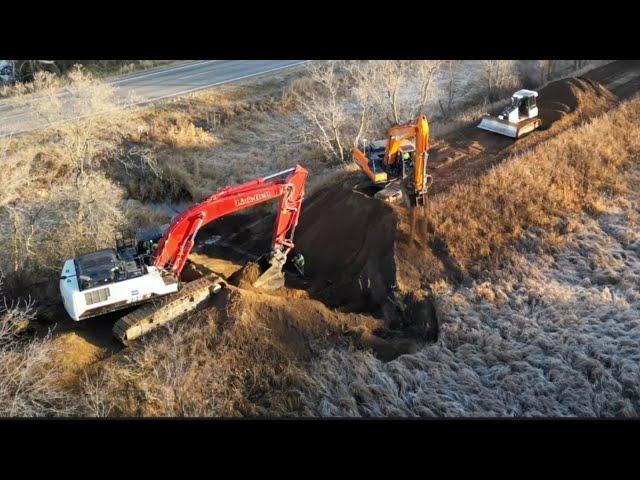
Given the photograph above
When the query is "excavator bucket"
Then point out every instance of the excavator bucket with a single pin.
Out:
(272, 277)
(392, 193)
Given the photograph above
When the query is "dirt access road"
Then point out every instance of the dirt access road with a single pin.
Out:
(19, 117)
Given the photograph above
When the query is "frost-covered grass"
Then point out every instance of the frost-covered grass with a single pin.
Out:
(550, 335)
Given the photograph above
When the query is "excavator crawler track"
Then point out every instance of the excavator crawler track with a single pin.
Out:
(166, 309)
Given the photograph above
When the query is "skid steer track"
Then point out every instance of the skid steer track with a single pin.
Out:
(166, 309)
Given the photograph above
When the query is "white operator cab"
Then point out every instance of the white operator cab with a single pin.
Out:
(111, 279)
(523, 106)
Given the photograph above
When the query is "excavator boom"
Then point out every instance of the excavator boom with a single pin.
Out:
(176, 244)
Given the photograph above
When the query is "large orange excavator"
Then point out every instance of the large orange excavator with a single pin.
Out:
(111, 279)
(399, 162)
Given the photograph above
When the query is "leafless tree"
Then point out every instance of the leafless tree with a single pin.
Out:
(359, 74)
(446, 107)
(546, 69)
(392, 75)
(500, 75)
(321, 101)
(426, 71)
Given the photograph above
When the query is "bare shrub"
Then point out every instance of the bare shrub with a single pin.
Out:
(178, 132)
(38, 234)
(78, 116)
(15, 317)
(199, 368)
(95, 396)
(501, 78)
(28, 381)
(28, 377)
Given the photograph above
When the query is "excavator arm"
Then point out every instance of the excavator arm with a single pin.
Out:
(178, 240)
(421, 179)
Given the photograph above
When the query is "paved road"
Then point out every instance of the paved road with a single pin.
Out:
(151, 86)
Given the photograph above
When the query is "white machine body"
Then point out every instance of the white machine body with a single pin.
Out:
(517, 119)
(85, 303)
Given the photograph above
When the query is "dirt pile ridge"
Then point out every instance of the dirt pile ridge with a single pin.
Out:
(348, 243)
(566, 96)
(360, 258)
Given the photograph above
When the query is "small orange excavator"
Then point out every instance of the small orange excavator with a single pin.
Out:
(112, 279)
(399, 162)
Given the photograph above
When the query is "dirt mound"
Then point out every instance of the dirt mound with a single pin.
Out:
(74, 354)
(246, 276)
(348, 243)
(297, 326)
(566, 96)
(200, 265)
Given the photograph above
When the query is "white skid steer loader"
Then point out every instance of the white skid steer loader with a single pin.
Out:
(516, 120)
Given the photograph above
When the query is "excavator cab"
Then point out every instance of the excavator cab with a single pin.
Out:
(406, 160)
(373, 154)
